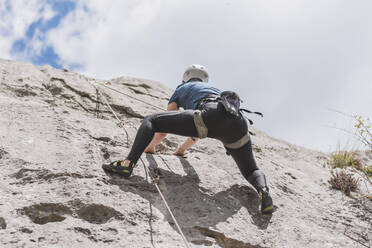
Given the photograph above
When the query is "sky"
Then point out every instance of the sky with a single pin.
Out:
(306, 65)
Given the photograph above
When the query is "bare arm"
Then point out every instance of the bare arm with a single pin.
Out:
(158, 137)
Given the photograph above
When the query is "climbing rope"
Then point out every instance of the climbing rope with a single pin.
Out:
(97, 104)
(120, 123)
(122, 93)
(155, 180)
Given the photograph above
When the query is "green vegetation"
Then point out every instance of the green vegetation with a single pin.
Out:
(368, 171)
(363, 128)
(344, 159)
(343, 180)
(349, 159)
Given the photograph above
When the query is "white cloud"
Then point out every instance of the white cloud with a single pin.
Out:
(48, 13)
(108, 28)
(15, 21)
(290, 59)
(22, 13)
(5, 46)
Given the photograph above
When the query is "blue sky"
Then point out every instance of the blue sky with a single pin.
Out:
(295, 61)
(37, 29)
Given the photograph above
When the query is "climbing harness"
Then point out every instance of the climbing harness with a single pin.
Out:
(231, 103)
(156, 179)
(250, 112)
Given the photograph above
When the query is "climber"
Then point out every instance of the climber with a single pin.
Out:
(208, 112)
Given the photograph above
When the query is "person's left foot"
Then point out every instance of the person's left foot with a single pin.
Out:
(267, 205)
(119, 167)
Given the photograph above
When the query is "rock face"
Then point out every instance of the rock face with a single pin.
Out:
(56, 132)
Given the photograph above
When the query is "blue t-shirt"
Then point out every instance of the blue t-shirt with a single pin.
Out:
(188, 95)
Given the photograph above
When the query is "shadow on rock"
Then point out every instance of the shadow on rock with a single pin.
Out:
(2, 223)
(193, 205)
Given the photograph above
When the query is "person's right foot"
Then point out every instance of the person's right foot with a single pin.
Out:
(119, 167)
(267, 206)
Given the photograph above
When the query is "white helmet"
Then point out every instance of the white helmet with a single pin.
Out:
(195, 72)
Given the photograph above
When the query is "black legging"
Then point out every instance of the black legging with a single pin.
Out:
(221, 125)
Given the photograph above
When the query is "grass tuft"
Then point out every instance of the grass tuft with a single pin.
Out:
(344, 159)
(368, 171)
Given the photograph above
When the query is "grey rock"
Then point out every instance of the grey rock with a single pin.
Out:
(53, 192)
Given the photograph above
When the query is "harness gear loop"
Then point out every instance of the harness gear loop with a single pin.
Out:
(239, 143)
(201, 128)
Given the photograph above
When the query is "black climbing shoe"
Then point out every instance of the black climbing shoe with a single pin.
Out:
(119, 168)
(266, 201)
